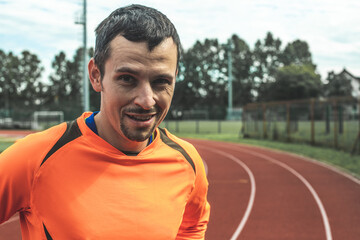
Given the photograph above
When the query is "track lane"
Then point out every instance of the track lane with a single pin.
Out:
(252, 187)
(225, 174)
(338, 192)
(275, 215)
(281, 202)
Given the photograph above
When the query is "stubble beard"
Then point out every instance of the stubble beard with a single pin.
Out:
(139, 134)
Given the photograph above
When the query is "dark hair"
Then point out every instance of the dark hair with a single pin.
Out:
(136, 23)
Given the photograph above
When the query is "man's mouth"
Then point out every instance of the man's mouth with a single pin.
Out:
(141, 117)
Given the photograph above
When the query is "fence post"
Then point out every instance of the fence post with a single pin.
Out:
(335, 124)
(197, 127)
(327, 116)
(340, 119)
(219, 126)
(312, 103)
(264, 121)
(288, 121)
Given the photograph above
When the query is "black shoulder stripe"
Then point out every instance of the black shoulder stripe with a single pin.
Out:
(48, 236)
(176, 146)
(72, 132)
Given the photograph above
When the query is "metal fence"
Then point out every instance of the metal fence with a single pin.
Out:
(203, 127)
(332, 122)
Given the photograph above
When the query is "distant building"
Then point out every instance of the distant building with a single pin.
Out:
(355, 82)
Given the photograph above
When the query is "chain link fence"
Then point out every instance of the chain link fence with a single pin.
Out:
(332, 122)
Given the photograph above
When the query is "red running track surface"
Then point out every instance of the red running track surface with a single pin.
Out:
(257, 193)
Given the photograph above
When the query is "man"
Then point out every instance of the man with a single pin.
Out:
(113, 174)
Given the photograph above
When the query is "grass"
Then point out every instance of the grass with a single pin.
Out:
(230, 133)
(343, 160)
(5, 144)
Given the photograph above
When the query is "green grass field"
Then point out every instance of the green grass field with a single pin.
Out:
(230, 131)
(301, 132)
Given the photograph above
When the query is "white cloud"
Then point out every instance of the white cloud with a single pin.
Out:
(330, 27)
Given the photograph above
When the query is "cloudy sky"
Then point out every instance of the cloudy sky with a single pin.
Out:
(330, 27)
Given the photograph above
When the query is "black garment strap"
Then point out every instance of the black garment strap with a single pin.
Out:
(72, 132)
(48, 236)
(176, 146)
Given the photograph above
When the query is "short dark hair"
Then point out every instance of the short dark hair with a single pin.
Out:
(136, 23)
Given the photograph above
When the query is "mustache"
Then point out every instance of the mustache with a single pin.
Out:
(139, 110)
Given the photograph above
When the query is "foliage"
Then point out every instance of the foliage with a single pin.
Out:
(242, 61)
(338, 85)
(20, 81)
(295, 82)
(201, 80)
(266, 72)
(296, 52)
(266, 57)
(65, 89)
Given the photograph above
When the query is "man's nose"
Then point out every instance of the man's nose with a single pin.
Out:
(145, 96)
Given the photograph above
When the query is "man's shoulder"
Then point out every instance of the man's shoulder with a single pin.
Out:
(38, 141)
(29, 151)
(45, 135)
(183, 143)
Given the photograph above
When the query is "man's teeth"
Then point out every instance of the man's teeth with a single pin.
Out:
(140, 118)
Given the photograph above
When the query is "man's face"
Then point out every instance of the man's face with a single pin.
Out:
(137, 87)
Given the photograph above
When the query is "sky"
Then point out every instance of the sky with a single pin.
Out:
(330, 27)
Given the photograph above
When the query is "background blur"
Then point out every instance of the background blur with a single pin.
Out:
(238, 57)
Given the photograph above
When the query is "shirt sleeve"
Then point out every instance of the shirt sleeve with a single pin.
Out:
(197, 210)
(18, 166)
(15, 181)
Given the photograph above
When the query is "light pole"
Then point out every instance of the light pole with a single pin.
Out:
(230, 90)
(82, 21)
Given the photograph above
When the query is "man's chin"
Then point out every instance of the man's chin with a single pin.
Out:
(138, 135)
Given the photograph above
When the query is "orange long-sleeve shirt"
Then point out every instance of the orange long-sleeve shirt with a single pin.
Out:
(68, 183)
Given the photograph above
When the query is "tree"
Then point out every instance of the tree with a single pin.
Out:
(201, 79)
(66, 84)
(337, 85)
(295, 82)
(19, 83)
(30, 88)
(296, 52)
(266, 58)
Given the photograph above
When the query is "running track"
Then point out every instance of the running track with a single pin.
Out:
(258, 193)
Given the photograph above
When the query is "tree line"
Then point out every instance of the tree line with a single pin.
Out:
(266, 72)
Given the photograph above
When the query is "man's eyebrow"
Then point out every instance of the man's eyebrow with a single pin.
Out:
(134, 72)
(126, 69)
(168, 76)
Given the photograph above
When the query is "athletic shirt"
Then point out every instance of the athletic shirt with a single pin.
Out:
(68, 183)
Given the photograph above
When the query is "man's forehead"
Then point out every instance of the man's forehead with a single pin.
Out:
(120, 45)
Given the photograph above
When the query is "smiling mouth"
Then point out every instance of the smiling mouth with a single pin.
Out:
(141, 118)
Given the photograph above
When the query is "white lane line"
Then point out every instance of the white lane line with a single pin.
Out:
(252, 192)
(332, 167)
(324, 216)
(323, 164)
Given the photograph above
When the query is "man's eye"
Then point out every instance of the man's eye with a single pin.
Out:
(161, 81)
(127, 79)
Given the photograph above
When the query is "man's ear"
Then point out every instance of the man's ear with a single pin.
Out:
(94, 75)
